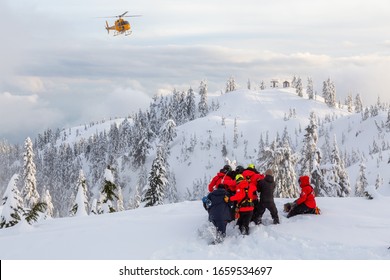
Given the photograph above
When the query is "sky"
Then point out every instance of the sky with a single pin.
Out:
(60, 68)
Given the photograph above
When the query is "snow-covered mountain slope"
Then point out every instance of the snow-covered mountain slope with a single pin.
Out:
(266, 114)
(347, 229)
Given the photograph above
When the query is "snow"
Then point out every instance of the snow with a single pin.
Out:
(349, 228)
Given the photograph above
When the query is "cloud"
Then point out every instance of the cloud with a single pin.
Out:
(59, 62)
(23, 116)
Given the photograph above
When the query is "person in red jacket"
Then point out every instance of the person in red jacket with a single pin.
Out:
(253, 176)
(223, 177)
(306, 203)
(244, 197)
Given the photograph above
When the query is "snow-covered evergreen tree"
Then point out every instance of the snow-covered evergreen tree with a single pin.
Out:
(387, 124)
(12, 210)
(29, 191)
(358, 104)
(203, 106)
(231, 85)
(262, 85)
(190, 105)
(336, 181)
(141, 137)
(311, 155)
(299, 87)
(157, 181)
(46, 198)
(235, 134)
(119, 202)
(309, 89)
(284, 162)
(80, 205)
(167, 133)
(361, 181)
(109, 192)
(349, 103)
(329, 93)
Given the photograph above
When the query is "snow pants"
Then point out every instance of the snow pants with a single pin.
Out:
(243, 222)
(301, 209)
(221, 227)
(271, 207)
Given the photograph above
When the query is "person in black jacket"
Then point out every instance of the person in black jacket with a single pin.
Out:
(219, 211)
(266, 188)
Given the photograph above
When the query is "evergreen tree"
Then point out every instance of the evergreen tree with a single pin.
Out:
(262, 85)
(231, 85)
(387, 124)
(361, 181)
(167, 133)
(157, 181)
(140, 189)
(32, 215)
(329, 93)
(12, 210)
(309, 89)
(119, 203)
(141, 137)
(235, 134)
(349, 103)
(284, 162)
(358, 104)
(80, 206)
(190, 105)
(29, 192)
(299, 87)
(202, 106)
(311, 155)
(109, 193)
(336, 177)
(46, 198)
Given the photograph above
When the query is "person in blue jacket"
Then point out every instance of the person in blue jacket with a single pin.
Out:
(219, 210)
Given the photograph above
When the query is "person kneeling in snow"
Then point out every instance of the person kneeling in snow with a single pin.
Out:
(306, 203)
(219, 210)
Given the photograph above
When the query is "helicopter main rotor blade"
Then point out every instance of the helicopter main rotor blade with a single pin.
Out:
(123, 14)
(133, 16)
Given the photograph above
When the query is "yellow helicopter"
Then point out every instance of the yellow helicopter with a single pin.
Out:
(121, 26)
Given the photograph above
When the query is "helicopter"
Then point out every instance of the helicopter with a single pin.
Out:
(120, 26)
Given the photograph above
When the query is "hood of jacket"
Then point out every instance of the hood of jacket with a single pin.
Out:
(304, 181)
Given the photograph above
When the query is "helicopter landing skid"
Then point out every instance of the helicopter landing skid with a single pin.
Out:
(126, 33)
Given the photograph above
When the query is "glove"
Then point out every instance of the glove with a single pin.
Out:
(293, 204)
(226, 198)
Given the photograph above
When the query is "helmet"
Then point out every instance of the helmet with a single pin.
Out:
(239, 177)
(251, 166)
(239, 169)
(227, 168)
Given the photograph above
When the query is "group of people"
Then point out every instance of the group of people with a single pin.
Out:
(244, 194)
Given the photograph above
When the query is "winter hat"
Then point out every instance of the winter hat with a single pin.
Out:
(269, 172)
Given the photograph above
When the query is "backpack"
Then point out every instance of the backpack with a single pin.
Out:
(206, 203)
(246, 202)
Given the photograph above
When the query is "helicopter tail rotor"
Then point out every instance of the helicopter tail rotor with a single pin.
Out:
(107, 28)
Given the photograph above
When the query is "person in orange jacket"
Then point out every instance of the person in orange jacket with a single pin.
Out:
(306, 203)
(244, 196)
(223, 177)
(253, 176)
